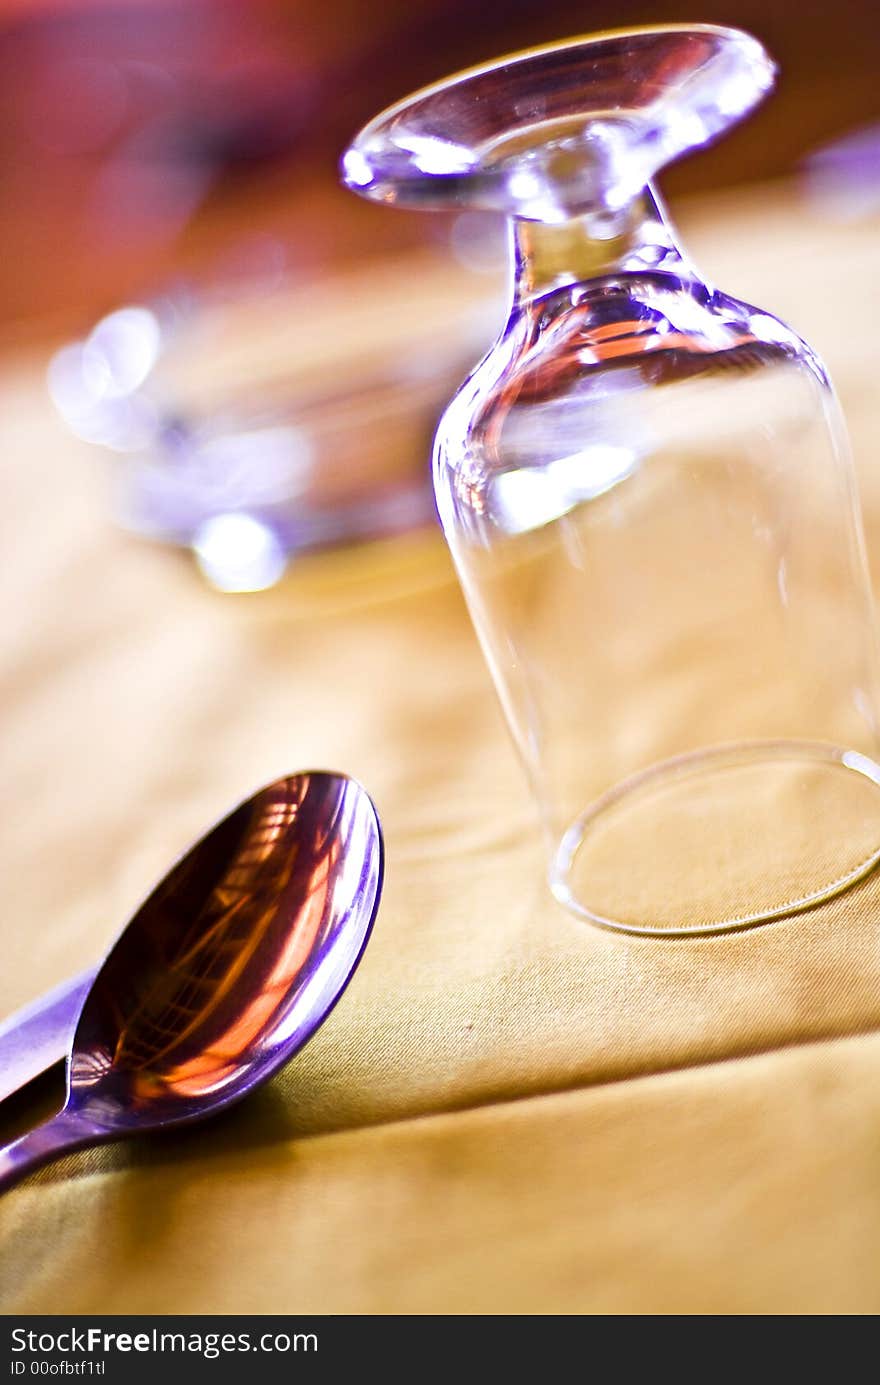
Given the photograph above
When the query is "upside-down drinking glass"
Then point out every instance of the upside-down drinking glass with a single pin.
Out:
(648, 497)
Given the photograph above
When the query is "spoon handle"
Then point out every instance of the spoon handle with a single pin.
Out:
(61, 1133)
(37, 1037)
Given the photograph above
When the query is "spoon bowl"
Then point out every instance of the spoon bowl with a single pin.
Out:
(226, 969)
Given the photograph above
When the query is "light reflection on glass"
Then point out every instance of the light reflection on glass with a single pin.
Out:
(238, 553)
(437, 156)
(356, 168)
(122, 349)
(527, 499)
(95, 384)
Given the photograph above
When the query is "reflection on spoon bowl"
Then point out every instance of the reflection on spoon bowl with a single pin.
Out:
(225, 971)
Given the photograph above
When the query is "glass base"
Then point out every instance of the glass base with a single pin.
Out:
(723, 839)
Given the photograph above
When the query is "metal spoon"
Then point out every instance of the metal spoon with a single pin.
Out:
(224, 972)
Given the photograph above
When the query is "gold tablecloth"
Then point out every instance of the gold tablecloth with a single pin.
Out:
(509, 1112)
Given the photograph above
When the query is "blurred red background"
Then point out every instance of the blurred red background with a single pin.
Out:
(139, 140)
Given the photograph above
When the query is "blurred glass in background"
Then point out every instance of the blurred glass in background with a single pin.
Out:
(170, 196)
(138, 136)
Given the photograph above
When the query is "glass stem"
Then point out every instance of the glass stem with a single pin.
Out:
(637, 238)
